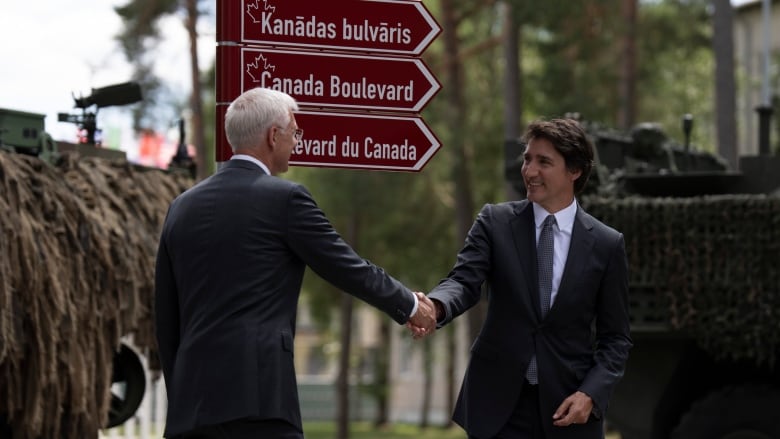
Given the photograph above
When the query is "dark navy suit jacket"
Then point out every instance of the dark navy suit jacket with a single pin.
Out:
(581, 344)
(228, 275)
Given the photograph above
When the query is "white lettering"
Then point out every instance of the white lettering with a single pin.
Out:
(349, 148)
(389, 151)
(316, 147)
(367, 90)
(298, 27)
(294, 86)
(382, 33)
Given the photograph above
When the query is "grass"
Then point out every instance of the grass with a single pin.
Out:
(366, 430)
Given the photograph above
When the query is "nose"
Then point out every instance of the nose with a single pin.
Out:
(528, 169)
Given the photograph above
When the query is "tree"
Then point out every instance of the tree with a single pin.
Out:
(196, 97)
(725, 88)
(627, 86)
(400, 219)
(138, 38)
(513, 85)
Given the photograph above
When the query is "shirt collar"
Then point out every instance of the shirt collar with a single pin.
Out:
(251, 159)
(564, 217)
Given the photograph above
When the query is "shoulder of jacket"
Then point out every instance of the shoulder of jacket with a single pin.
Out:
(270, 182)
(506, 207)
(598, 226)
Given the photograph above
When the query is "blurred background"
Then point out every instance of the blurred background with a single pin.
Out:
(664, 86)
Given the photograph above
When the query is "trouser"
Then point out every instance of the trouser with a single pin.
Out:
(526, 420)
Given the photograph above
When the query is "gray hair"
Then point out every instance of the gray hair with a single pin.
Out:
(251, 114)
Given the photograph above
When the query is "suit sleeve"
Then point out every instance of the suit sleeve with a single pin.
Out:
(166, 312)
(312, 237)
(462, 288)
(613, 339)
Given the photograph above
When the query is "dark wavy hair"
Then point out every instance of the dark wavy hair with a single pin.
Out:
(570, 140)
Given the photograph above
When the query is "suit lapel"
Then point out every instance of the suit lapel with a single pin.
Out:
(525, 243)
(582, 241)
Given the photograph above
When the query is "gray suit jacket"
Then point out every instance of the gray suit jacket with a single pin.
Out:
(581, 344)
(229, 269)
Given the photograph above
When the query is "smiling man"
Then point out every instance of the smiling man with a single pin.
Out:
(556, 336)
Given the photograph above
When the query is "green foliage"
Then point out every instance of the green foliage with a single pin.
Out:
(138, 38)
(365, 430)
(140, 18)
(571, 59)
(401, 226)
(676, 68)
(482, 134)
(208, 79)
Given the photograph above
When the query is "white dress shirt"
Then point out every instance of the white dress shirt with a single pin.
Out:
(562, 239)
(253, 160)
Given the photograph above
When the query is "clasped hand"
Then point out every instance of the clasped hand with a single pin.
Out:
(423, 322)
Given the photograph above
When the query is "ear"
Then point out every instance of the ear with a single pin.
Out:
(574, 175)
(271, 137)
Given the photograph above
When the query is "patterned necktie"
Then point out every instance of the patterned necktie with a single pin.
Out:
(544, 262)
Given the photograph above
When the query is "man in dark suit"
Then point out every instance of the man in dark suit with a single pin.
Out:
(229, 269)
(556, 335)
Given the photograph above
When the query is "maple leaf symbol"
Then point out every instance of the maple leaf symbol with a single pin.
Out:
(254, 69)
(250, 8)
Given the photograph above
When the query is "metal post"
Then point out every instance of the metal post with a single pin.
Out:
(687, 125)
(764, 122)
(765, 109)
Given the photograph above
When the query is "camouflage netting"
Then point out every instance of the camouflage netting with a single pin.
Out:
(709, 266)
(77, 248)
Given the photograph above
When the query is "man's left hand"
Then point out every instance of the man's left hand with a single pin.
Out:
(573, 410)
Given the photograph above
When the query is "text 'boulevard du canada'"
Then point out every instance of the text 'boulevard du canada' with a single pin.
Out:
(368, 148)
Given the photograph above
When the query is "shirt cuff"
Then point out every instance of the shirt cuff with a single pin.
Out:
(416, 305)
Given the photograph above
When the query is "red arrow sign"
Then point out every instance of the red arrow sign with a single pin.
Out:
(340, 140)
(380, 26)
(330, 80)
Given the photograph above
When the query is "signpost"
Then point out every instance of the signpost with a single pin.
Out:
(332, 57)
(346, 140)
(332, 80)
(379, 26)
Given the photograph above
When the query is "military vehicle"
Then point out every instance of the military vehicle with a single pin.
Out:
(24, 143)
(703, 244)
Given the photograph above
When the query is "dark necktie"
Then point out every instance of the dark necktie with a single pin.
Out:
(544, 262)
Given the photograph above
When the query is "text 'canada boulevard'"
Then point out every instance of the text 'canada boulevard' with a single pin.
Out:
(339, 88)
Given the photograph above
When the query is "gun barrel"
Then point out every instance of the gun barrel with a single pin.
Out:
(117, 94)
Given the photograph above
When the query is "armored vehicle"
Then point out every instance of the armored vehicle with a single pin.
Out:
(77, 245)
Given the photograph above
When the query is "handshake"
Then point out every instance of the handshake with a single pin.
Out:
(423, 322)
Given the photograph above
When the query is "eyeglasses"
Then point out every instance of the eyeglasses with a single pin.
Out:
(298, 134)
